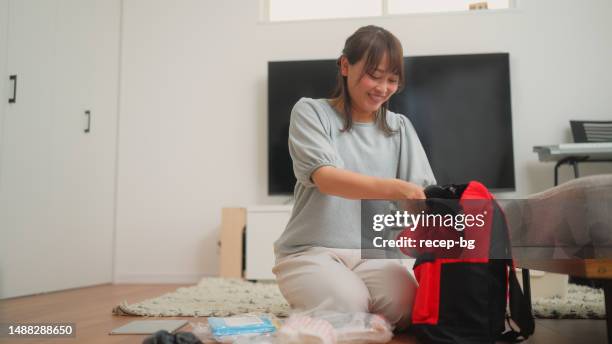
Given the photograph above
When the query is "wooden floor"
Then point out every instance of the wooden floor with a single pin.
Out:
(90, 308)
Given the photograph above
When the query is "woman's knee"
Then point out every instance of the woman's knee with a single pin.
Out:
(342, 295)
(355, 296)
(310, 283)
(392, 288)
(397, 307)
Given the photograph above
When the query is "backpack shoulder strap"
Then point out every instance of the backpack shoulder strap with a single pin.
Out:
(520, 310)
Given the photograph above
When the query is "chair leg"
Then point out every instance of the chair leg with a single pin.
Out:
(576, 172)
(557, 173)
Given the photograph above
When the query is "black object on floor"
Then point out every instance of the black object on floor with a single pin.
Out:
(165, 337)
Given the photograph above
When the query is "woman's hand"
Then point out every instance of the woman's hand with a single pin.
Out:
(408, 190)
(411, 196)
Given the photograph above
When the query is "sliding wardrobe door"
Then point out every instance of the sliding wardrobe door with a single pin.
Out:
(59, 142)
(25, 186)
(85, 142)
(4, 81)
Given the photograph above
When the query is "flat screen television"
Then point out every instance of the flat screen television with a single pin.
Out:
(459, 105)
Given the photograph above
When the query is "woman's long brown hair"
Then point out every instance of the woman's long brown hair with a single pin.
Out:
(372, 43)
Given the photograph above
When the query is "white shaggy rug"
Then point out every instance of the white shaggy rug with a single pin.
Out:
(582, 302)
(224, 297)
(212, 297)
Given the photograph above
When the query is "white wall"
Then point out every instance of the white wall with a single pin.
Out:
(193, 106)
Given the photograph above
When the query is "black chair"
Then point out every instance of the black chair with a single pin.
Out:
(591, 131)
(586, 132)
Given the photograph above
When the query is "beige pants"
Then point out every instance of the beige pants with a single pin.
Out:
(339, 280)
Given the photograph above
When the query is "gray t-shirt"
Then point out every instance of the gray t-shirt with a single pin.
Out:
(316, 140)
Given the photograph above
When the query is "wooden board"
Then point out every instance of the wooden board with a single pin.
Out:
(233, 222)
(588, 268)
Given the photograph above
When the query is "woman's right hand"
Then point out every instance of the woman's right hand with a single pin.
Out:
(408, 190)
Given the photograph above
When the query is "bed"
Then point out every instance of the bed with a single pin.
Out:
(568, 230)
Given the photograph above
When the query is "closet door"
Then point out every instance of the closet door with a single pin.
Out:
(57, 177)
(4, 81)
(25, 186)
(84, 137)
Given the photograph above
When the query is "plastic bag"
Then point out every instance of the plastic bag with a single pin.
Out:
(319, 327)
(231, 329)
(306, 329)
(327, 327)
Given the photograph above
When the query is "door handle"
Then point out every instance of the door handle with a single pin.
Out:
(13, 78)
(88, 114)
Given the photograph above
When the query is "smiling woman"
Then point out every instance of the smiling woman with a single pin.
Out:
(344, 149)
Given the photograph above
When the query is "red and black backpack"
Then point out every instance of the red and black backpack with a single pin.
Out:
(469, 299)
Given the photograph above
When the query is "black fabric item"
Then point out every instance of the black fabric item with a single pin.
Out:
(443, 199)
(450, 191)
(165, 337)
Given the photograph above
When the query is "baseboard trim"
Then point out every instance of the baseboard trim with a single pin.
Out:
(132, 278)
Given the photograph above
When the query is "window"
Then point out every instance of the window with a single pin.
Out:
(291, 10)
(428, 6)
(287, 10)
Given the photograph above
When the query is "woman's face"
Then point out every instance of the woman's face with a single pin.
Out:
(370, 91)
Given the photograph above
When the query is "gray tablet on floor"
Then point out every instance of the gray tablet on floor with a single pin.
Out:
(149, 326)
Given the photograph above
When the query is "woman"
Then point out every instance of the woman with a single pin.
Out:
(345, 149)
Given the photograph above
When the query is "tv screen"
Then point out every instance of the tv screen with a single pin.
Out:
(459, 105)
